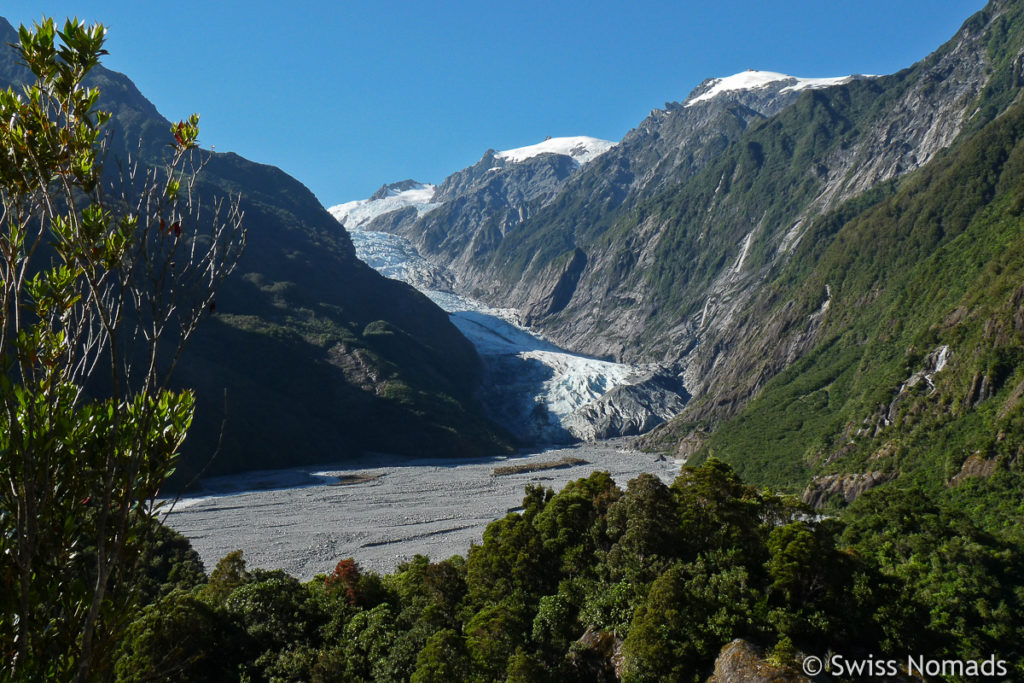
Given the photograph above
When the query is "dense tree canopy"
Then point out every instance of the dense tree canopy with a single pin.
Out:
(596, 583)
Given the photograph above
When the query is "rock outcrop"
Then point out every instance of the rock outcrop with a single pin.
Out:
(847, 487)
(743, 661)
(974, 466)
(597, 656)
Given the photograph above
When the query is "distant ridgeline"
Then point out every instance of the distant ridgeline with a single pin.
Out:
(311, 355)
(834, 264)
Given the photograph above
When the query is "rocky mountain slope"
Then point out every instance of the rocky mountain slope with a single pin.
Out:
(910, 366)
(469, 214)
(755, 233)
(313, 355)
(539, 392)
(680, 221)
(882, 347)
(701, 227)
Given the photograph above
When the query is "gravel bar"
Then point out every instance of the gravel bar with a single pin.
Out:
(303, 520)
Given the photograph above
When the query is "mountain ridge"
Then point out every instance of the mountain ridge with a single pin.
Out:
(693, 239)
(351, 353)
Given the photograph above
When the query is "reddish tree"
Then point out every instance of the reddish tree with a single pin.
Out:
(345, 577)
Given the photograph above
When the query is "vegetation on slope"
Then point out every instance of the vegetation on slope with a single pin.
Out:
(310, 354)
(938, 263)
(886, 349)
(595, 582)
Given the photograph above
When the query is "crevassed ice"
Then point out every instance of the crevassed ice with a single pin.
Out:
(573, 381)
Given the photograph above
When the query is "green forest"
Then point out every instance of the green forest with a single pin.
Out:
(596, 582)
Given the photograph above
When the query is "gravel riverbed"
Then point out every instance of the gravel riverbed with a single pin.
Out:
(303, 520)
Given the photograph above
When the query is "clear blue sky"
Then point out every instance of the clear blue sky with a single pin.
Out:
(346, 96)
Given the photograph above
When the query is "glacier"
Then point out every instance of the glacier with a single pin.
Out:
(541, 393)
(389, 198)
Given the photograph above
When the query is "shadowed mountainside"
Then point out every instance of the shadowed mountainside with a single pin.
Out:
(315, 356)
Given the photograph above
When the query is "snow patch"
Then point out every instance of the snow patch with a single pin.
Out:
(813, 83)
(354, 215)
(581, 148)
(755, 80)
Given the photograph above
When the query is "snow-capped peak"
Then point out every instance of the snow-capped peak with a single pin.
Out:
(353, 215)
(753, 80)
(581, 148)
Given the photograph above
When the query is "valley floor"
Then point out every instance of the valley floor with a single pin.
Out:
(389, 508)
(303, 521)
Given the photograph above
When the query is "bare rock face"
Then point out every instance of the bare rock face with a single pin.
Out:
(846, 486)
(597, 655)
(974, 466)
(630, 409)
(479, 205)
(740, 660)
(922, 120)
(558, 298)
(690, 444)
